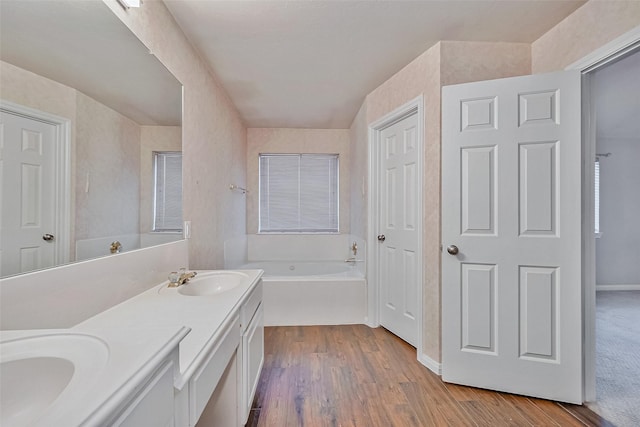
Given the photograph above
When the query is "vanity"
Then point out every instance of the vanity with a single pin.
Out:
(185, 356)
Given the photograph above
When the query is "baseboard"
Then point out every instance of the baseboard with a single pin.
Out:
(432, 365)
(621, 287)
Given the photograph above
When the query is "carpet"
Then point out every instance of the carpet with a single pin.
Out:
(618, 357)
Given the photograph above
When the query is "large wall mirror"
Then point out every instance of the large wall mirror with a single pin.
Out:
(86, 110)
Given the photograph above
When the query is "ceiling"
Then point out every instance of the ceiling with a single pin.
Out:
(82, 44)
(309, 64)
(617, 99)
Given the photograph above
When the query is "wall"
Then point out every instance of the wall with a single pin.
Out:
(260, 140)
(585, 30)
(213, 136)
(107, 171)
(617, 248)
(445, 63)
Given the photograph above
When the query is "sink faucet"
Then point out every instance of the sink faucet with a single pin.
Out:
(178, 278)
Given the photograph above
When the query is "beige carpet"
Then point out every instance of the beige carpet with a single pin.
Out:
(618, 357)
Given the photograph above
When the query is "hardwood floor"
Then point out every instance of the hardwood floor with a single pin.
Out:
(357, 376)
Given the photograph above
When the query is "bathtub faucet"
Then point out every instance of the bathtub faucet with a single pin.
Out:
(178, 278)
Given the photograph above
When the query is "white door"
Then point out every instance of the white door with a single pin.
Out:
(27, 167)
(398, 235)
(511, 203)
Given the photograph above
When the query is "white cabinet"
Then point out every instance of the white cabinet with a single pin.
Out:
(207, 376)
(153, 405)
(252, 350)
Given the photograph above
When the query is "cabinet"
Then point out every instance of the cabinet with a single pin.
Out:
(252, 354)
(153, 406)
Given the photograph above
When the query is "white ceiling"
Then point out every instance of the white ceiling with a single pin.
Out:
(309, 64)
(616, 90)
(82, 44)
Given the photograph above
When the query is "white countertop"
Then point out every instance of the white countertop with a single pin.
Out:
(206, 316)
(140, 333)
(131, 359)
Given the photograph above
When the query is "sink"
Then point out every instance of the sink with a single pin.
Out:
(210, 283)
(38, 371)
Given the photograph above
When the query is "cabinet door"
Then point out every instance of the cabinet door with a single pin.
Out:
(253, 359)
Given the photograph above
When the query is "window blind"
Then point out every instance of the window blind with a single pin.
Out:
(299, 193)
(168, 191)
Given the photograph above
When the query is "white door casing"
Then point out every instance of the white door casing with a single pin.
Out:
(399, 214)
(511, 174)
(35, 189)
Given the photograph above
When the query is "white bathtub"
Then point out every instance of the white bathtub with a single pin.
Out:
(311, 293)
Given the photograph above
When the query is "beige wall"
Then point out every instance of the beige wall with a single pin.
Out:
(314, 141)
(108, 156)
(213, 136)
(153, 138)
(591, 26)
(445, 63)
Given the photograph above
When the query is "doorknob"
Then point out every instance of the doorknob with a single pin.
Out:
(381, 237)
(48, 237)
(452, 249)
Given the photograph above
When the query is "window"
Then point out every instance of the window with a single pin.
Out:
(596, 187)
(167, 201)
(299, 193)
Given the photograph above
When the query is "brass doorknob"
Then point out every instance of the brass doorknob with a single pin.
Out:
(452, 249)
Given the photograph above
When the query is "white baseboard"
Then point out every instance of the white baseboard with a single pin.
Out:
(432, 365)
(620, 287)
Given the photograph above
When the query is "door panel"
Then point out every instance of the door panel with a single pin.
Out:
(511, 188)
(398, 222)
(28, 170)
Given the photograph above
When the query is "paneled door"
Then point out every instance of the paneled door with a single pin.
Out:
(27, 167)
(398, 238)
(511, 234)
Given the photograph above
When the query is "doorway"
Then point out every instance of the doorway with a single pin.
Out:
(35, 175)
(395, 222)
(615, 103)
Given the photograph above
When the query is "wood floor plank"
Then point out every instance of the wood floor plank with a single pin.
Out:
(356, 376)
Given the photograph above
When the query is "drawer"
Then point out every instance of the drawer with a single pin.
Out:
(250, 306)
(205, 379)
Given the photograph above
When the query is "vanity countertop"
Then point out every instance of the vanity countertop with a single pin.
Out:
(206, 316)
(104, 386)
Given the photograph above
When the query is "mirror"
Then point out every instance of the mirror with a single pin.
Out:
(97, 105)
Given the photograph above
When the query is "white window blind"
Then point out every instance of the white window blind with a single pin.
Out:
(596, 187)
(167, 191)
(299, 193)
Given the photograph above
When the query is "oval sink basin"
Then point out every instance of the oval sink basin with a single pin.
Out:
(37, 371)
(210, 283)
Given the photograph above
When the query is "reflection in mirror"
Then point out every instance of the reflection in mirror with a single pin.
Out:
(84, 108)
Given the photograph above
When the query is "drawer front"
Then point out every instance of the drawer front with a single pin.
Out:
(153, 406)
(205, 380)
(250, 306)
(253, 359)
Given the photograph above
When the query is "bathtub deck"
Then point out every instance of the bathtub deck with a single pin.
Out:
(356, 376)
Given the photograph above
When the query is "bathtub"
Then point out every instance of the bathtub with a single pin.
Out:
(311, 293)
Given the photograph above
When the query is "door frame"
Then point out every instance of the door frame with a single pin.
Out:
(415, 106)
(62, 174)
(589, 63)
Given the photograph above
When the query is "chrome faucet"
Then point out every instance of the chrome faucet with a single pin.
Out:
(179, 278)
